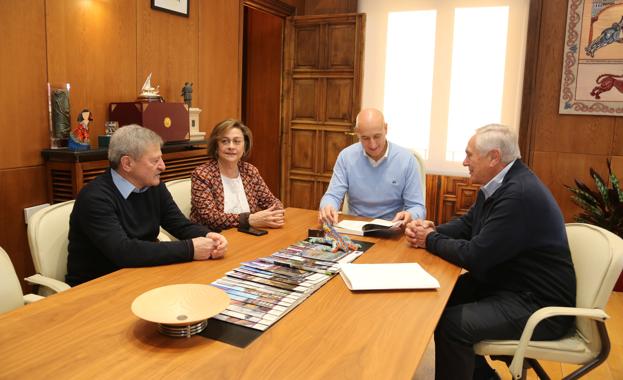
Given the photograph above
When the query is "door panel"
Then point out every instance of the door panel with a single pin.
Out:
(307, 48)
(302, 151)
(333, 143)
(304, 100)
(262, 91)
(341, 46)
(322, 95)
(339, 100)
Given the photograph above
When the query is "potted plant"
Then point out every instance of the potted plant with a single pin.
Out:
(603, 208)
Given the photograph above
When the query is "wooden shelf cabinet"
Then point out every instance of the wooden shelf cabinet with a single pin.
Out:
(67, 171)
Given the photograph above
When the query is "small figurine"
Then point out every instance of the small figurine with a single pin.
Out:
(79, 136)
(111, 127)
(187, 93)
(149, 93)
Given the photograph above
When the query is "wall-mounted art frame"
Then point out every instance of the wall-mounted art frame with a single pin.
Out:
(177, 7)
(592, 74)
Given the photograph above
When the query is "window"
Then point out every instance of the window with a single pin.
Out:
(440, 69)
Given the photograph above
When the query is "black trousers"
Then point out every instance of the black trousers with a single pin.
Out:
(474, 313)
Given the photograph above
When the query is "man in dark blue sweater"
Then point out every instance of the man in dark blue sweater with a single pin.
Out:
(513, 244)
(116, 218)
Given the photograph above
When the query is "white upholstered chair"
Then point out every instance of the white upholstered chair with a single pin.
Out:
(48, 231)
(598, 259)
(11, 296)
(421, 167)
(180, 191)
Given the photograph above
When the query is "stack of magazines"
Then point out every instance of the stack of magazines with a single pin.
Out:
(265, 289)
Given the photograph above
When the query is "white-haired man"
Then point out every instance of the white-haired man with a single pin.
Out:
(116, 218)
(513, 243)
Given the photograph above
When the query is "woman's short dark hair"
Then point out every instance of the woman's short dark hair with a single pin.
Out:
(221, 128)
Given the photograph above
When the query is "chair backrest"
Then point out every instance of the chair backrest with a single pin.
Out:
(48, 237)
(11, 296)
(180, 191)
(422, 168)
(597, 256)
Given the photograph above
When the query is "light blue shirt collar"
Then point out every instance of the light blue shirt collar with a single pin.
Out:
(124, 186)
(496, 181)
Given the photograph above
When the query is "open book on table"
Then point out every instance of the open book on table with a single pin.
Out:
(362, 227)
(387, 276)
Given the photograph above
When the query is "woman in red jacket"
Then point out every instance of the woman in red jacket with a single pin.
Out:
(228, 192)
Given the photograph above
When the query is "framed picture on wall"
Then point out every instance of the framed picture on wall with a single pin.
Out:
(178, 7)
(592, 73)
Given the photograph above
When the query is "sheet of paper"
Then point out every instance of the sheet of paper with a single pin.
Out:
(387, 276)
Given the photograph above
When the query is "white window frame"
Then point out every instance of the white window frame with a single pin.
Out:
(375, 55)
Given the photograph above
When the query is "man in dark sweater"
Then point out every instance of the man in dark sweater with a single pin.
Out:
(116, 218)
(514, 245)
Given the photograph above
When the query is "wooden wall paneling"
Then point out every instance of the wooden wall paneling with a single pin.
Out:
(220, 57)
(617, 141)
(263, 41)
(298, 4)
(556, 169)
(275, 7)
(432, 189)
(456, 196)
(555, 132)
(563, 147)
(167, 48)
(92, 45)
(529, 98)
(24, 116)
(19, 188)
(322, 7)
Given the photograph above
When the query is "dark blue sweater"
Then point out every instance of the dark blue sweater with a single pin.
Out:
(108, 232)
(515, 240)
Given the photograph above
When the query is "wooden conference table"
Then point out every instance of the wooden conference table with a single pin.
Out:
(90, 332)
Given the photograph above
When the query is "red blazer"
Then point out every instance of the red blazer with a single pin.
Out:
(208, 197)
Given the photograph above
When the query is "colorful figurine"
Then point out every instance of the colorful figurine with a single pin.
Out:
(335, 240)
(79, 136)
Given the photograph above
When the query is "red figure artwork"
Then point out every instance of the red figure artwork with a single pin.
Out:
(606, 82)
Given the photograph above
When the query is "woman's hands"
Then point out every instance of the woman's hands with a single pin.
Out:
(272, 217)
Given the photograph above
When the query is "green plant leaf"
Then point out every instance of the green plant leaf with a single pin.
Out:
(595, 195)
(587, 206)
(615, 181)
(601, 186)
(585, 197)
(603, 207)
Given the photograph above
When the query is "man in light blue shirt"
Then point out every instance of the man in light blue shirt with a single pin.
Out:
(382, 179)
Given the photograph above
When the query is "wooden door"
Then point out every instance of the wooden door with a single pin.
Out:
(323, 63)
(261, 91)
